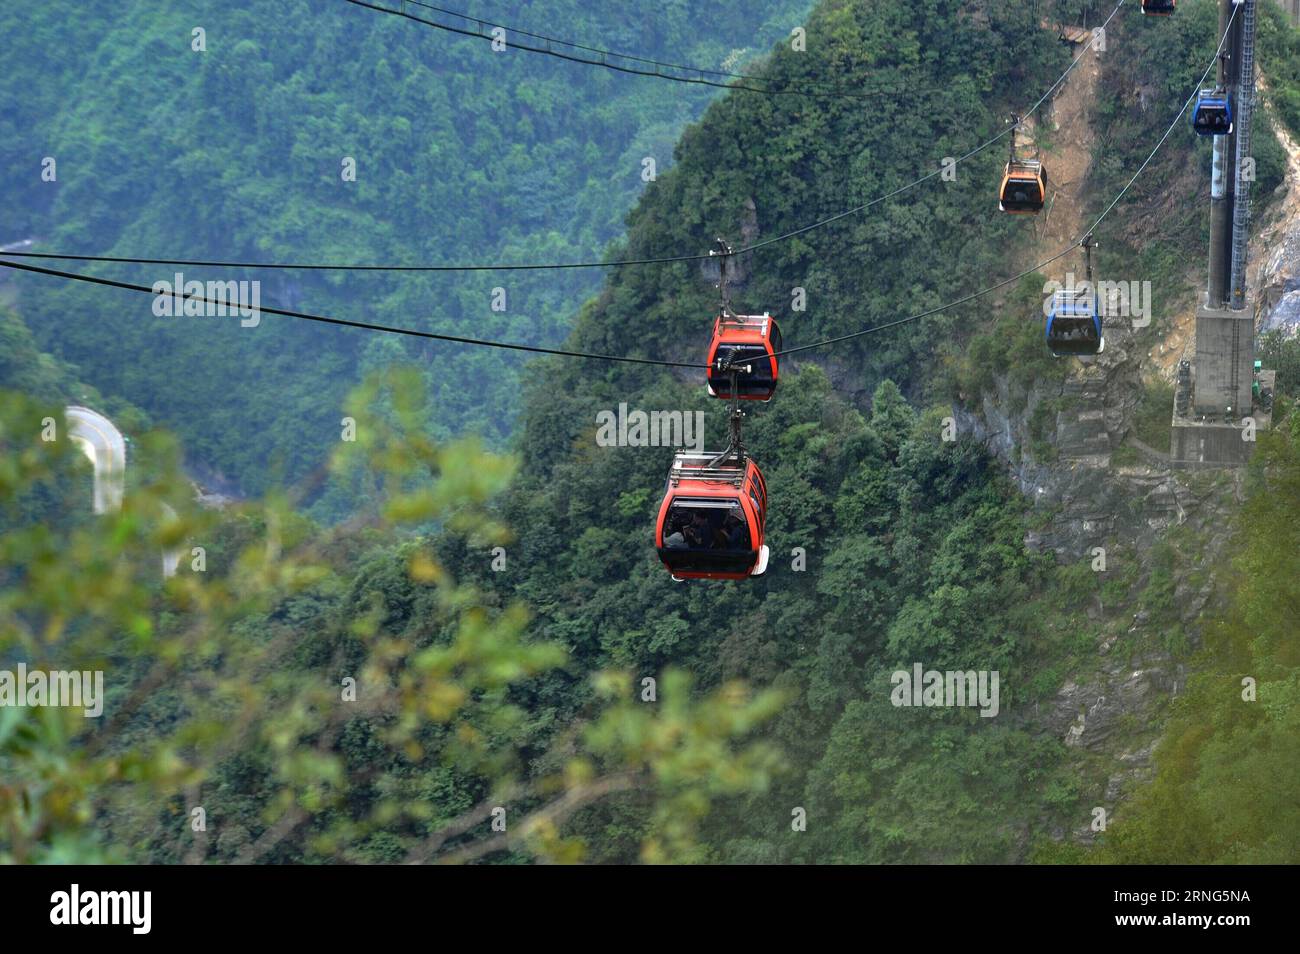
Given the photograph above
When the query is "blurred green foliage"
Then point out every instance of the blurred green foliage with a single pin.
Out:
(276, 689)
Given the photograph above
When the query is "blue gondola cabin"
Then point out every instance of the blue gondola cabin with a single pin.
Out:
(1213, 113)
(1074, 324)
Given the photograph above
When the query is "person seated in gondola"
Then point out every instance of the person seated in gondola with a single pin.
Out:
(733, 533)
(676, 540)
(698, 532)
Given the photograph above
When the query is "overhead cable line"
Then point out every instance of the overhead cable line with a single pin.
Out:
(349, 323)
(585, 49)
(1043, 264)
(604, 62)
(933, 311)
(552, 266)
(458, 339)
(1195, 92)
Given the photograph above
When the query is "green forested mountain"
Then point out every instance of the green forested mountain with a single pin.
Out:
(236, 153)
(515, 678)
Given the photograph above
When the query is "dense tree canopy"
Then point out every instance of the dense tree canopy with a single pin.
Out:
(235, 154)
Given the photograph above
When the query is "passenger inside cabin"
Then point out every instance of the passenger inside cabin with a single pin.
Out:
(698, 532)
(734, 534)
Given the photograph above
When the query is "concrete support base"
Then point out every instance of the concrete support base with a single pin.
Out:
(1207, 441)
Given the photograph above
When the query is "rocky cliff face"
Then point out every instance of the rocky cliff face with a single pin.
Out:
(1066, 468)
(1061, 449)
(1070, 447)
(1276, 284)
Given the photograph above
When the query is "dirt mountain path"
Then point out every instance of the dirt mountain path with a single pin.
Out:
(1068, 137)
(1063, 134)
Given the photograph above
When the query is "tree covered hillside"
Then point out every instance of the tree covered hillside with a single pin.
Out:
(236, 153)
(915, 547)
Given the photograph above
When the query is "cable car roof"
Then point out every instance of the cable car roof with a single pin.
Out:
(689, 466)
(1029, 167)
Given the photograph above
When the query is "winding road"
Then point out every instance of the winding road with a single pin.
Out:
(101, 441)
(103, 444)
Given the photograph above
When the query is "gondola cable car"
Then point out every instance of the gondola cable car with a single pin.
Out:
(712, 518)
(743, 352)
(1213, 113)
(743, 349)
(714, 511)
(1024, 181)
(1073, 317)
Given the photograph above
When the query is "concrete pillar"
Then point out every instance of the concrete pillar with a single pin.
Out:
(1225, 359)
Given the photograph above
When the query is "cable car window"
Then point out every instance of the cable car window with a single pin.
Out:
(703, 524)
(1213, 114)
(776, 337)
(759, 379)
(1070, 328)
(1074, 335)
(1023, 194)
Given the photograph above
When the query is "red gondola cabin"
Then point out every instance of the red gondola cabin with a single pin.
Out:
(750, 341)
(711, 519)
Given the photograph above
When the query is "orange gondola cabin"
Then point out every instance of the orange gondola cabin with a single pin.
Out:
(749, 344)
(711, 519)
(1024, 187)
